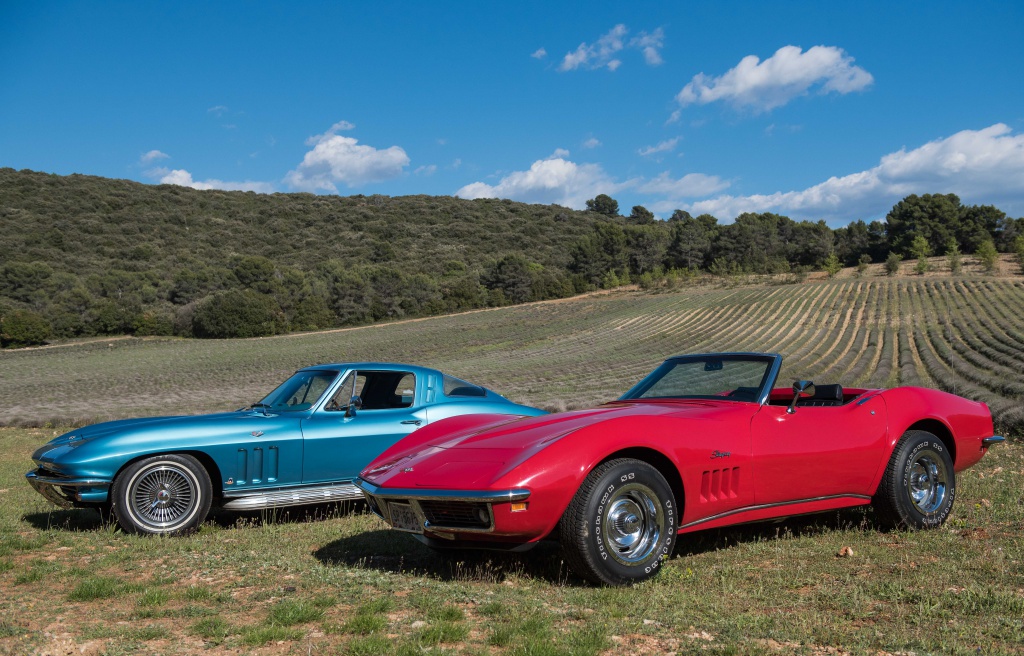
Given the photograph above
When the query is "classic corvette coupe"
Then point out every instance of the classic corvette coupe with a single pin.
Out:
(302, 444)
(704, 441)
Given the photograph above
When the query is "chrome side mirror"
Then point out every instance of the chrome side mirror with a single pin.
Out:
(355, 403)
(801, 390)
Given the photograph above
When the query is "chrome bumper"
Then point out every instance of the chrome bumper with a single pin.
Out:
(992, 441)
(48, 486)
(377, 499)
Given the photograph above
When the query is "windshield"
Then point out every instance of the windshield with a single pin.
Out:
(299, 392)
(733, 377)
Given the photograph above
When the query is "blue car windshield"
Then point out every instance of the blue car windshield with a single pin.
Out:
(299, 392)
(732, 377)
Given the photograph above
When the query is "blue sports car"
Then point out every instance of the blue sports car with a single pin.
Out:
(304, 443)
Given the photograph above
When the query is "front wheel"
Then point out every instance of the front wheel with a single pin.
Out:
(162, 495)
(621, 525)
(919, 484)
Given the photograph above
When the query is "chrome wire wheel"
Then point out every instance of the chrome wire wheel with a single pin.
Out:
(632, 524)
(163, 496)
(927, 481)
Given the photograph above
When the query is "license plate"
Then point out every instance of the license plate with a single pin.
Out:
(404, 518)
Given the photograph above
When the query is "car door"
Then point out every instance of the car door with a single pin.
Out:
(339, 441)
(817, 452)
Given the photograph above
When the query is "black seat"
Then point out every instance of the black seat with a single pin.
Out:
(825, 396)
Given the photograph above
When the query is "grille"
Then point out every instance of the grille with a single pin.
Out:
(456, 514)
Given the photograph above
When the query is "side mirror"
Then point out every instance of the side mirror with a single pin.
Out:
(355, 403)
(801, 390)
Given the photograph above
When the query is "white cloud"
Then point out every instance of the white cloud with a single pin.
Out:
(430, 169)
(666, 146)
(602, 53)
(980, 166)
(183, 178)
(217, 110)
(555, 180)
(559, 153)
(788, 73)
(650, 45)
(152, 156)
(691, 185)
(592, 142)
(539, 53)
(337, 159)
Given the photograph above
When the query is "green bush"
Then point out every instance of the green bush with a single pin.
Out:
(237, 313)
(987, 256)
(892, 264)
(23, 328)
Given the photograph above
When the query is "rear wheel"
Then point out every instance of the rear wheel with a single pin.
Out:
(162, 495)
(919, 484)
(621, 525)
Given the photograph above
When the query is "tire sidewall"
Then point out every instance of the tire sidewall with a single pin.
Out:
(125, 482)
(603, 493)
(908, 454)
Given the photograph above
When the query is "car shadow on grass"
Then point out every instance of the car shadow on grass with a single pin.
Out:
(89, 519)
(398, 552)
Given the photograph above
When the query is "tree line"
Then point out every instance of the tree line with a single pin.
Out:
(84, 256)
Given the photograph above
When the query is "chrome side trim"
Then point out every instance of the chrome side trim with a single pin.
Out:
(992, 441)
(481, 496)
(736, 511)
(295, 496)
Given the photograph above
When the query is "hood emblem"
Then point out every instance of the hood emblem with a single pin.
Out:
(256, 433)
(407, 470)
(720, 454)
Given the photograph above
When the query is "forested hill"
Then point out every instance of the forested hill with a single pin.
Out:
(82, 255)
(100, 256)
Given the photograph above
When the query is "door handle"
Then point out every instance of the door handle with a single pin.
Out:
(414, 422)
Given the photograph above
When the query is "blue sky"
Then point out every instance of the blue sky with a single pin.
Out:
(815, 110)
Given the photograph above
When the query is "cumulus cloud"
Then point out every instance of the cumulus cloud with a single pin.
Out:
(183, 178)
(152, 156)
(430, 169)
(790, 72)
(539, 53)
(336, 159)
(666, 146)
(592, 142)
(603, 53)
(554, 180)
(980, 166)
(691, 185)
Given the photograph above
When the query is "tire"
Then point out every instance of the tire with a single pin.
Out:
(162, 495)
(621, 525)
(919, 484)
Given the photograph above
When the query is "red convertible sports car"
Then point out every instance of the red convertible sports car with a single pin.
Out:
(704, 441)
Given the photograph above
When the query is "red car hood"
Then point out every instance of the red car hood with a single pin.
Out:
(467, 458)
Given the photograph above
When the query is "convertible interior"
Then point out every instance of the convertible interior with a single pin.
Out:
(824, 396)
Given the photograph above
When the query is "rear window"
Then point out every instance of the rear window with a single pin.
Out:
(455, 387)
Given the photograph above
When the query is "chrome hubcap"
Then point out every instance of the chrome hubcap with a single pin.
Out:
(927, 481)
(163, 496)
(633, 524)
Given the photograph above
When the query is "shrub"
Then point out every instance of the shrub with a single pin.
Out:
(892, 264)
(23, 328)
(237, 313)
(832, 265)
(862, 263)
(1018, 248)
(920, 250)
(987, 256)
(954, 257)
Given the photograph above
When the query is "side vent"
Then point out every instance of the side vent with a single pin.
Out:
(719, 484)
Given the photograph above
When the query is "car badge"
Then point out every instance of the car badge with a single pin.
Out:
(407, 470)
(720, 454)
(256, 433)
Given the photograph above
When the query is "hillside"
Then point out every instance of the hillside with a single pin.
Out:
(964, 334)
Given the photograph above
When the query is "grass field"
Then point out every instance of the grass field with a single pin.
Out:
(336, 581)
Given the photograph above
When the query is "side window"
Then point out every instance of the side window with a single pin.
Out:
(455, 387)
(378, 390)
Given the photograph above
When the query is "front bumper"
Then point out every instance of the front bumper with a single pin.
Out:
(67, 491)
(441, 512)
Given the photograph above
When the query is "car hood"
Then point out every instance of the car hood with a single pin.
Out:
(152, 429)
(473, 456)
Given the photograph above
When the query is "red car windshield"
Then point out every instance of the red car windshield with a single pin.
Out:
(732, 377)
